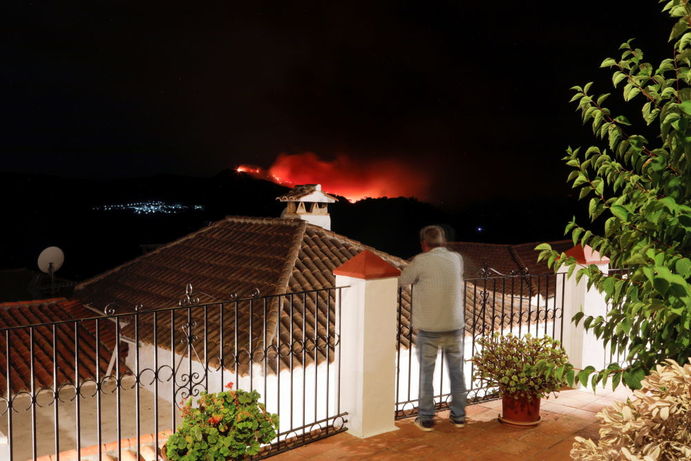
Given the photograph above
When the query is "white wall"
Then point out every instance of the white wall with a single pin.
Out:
(293, 395)
(317, 219)
(583, 348)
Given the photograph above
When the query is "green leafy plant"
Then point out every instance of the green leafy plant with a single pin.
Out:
(225, 425)
(521, 367)
(653, 426)
(639, 188)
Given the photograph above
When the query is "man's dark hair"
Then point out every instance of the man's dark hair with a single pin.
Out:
(433, 236)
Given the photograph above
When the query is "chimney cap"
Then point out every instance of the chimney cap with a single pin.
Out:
(307, 193)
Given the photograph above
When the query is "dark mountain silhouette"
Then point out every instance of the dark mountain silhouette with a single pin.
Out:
(73, 214)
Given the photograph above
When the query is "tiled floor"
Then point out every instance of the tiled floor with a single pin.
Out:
(483, 438)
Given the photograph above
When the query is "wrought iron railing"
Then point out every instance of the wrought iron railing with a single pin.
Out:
(113, 382)
(519, 303)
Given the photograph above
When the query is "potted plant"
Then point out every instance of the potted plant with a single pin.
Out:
(521, 368)
(229, 425)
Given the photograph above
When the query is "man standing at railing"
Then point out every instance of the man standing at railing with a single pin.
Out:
(437, 278)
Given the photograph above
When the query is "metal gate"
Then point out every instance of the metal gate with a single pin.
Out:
(516, 303)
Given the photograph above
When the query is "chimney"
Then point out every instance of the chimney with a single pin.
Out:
(309, 203)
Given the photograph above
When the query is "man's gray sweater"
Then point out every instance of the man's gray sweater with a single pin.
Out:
(437, 279)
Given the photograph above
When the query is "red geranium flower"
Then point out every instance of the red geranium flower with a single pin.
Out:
(214, 420)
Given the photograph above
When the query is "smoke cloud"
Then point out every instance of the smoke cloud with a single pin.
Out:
(354, 179)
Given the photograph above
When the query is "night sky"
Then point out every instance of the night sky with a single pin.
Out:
(471, 95)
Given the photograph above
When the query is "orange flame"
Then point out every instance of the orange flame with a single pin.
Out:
(253, 170)
(345, 176)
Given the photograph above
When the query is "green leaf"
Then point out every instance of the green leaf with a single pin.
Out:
(620, 212)
(684, 41)
(570, 375)
(581, 179)
(575, 234)
(588, 321)
(622, 120)
(614, 136)
(608, 62)
(683, 267)
(626, 45)
(631, 92)
(679, 28)
(616, 379)
(685, 106)
(617, 77)
(610, 226)
(584, 374)
(586, 237)
(570, 226)
(633, 378)
(592, 206)
(626, 325)
(577, 317)
(585, 191)
(636, 259)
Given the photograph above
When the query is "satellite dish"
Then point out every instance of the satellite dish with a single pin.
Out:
(50, 260)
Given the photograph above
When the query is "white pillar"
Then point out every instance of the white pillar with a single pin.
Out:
(582, 347)
(368, 346)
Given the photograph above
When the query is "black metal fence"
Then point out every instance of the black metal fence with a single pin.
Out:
(106, 384)
(518, 303)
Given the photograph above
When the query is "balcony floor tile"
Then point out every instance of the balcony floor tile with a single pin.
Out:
(483, 438)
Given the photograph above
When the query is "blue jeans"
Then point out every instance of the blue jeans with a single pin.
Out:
(428, 344)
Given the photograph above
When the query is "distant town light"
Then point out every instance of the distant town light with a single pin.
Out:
(154, 207)
(479, 228)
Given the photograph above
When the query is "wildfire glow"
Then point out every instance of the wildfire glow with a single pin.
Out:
(254, 170)
(345, 176)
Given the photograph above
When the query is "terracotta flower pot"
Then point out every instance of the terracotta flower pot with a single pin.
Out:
(520, 411)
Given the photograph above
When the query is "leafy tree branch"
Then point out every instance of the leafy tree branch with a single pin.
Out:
(642, 190)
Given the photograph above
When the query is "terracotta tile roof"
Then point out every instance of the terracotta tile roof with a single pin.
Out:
(235, 255)
(477, 255)
(505, 258)
(13, 314)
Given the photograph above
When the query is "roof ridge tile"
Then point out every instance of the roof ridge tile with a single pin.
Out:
(516, 257)
(344, 239)
(292, 256)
